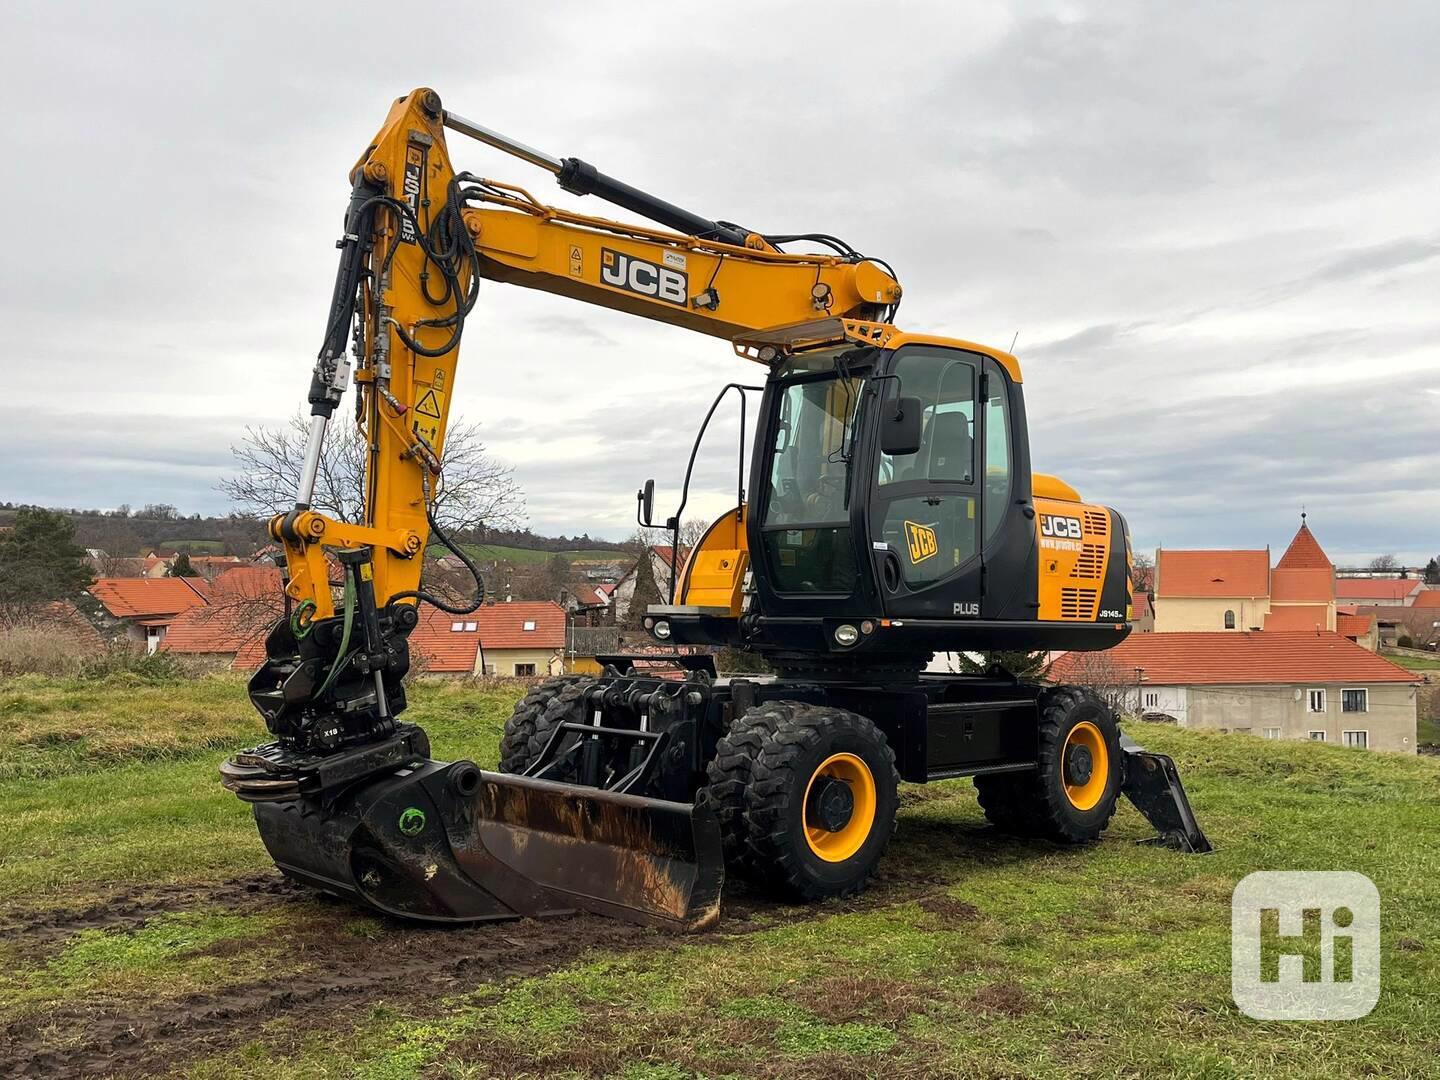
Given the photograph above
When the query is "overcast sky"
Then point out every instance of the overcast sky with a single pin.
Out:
(1214, 228)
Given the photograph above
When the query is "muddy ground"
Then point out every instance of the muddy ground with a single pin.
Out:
(344, 974)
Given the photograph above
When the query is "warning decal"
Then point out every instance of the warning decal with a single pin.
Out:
(429, 405)
(921, 539)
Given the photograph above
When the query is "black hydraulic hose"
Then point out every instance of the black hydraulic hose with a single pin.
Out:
(459, 553)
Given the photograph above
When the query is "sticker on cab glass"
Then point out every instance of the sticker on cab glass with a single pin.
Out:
(922, 541)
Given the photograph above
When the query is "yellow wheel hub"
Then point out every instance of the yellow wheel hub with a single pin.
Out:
(832, 833)
(1085, 765)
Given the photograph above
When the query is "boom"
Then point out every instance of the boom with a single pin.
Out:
(419, 236)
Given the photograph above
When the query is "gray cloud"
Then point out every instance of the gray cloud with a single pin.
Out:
(1212, 227)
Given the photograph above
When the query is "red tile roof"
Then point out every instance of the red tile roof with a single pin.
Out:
(253, 582)
(1353, 626)
(497, 626)
(1295, 584)
(1297, 617)
(502, 626)
(1430, 598)
(1304, 553)
(1375, 588)
(1140, 602)
(442, 649)
(237, 625)
(129, 598)
(1232, 659)
(1212, 573)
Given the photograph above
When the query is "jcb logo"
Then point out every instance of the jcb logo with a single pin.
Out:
(1066, 528)
(645, 278)
(922, 541)
(410, 188)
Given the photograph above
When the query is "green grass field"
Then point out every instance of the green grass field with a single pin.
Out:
(1413, 663)
(530, 557)
(142, 931)
(194, 547)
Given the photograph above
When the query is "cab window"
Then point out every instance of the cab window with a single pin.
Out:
(945, 384)
(998, 467)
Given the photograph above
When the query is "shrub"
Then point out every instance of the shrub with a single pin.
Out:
(39, 650)
(122, 659)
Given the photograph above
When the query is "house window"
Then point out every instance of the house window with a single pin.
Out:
(1317, 736)
(1317, 700)
(1229, 620)
(1152, 700)
(1272, 732)
(1354, 700)
(1358, 739)
(529, 625)
(456, 627)
(470, 627)
(524, 669)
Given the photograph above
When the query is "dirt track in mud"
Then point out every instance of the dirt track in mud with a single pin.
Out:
(343, 974)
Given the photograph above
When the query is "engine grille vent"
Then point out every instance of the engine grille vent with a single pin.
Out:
(1089, 564)
(1097, 522)
(1078, 603)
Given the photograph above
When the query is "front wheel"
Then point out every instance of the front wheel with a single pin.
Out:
(820, 805)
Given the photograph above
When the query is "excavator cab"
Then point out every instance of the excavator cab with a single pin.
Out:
(893, 495)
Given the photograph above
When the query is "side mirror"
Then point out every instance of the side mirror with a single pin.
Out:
(900, 426)
(645, 500)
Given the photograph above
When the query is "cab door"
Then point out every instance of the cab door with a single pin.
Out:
(926, 507)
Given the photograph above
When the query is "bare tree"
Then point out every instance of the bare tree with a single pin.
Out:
(1384, 562)
(692, 532)
(1142, 571)
(476, 490)
(1114, 685)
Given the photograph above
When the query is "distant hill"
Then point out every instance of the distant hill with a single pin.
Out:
(531, 557)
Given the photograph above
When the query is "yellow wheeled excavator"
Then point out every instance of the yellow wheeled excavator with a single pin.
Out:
(892, 513)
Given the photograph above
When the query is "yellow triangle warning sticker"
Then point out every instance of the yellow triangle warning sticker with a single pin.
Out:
(429, 405)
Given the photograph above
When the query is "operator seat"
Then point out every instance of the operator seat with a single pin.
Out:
(952, 451)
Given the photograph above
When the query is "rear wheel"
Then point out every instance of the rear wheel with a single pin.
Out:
(535, 718)
(1071, 797)
(820, 806)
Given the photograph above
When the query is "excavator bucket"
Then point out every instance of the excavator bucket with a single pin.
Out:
(449, 842)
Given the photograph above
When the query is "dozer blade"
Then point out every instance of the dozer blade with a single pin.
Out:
(1153, 784)
(452, 843)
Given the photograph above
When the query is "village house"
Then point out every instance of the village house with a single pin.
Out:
(141, 610)
(1276, 684)
(230, 630)
(1379, 592)
(655, 565)
(587, 604)
(521, 639)
(1199, 591)
(1211, 590)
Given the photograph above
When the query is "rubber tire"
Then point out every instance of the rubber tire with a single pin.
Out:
(729, 774)
(797, 738)
(531, 724)
(1035, 804)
